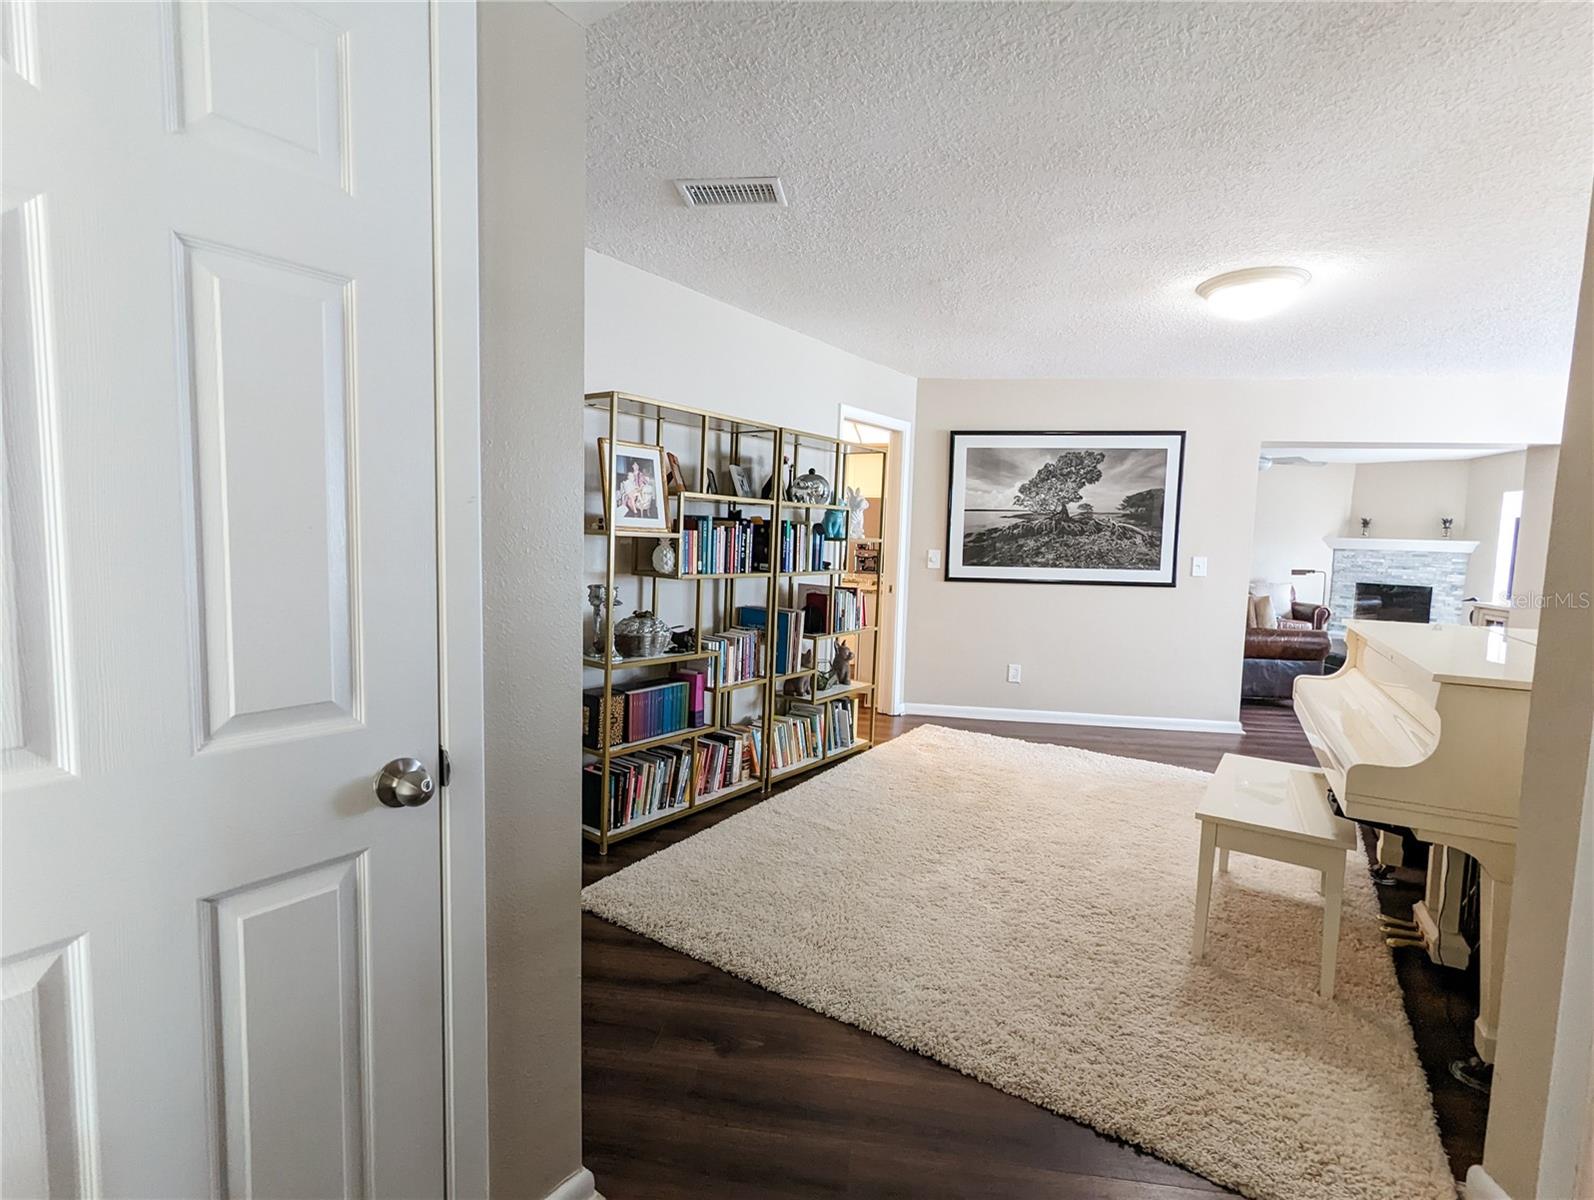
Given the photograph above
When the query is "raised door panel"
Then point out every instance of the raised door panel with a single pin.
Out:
(47, 1110)
(289, 991)
(267, 80)
(35, 711)
(276, 548)
(19, 45)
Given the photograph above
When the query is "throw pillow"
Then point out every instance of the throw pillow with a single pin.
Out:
(1262, 606)
(1283, 596)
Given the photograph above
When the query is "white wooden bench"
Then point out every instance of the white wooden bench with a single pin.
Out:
(1279, 811)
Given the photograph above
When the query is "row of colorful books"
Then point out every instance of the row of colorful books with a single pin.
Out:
(841, 724)
(740, 652)
(851, 609)
(796, 735)
(639, 785)
(788, 634)
(806, 548)
(648, 709)
(645, 783)
(728, 757)
(723, 545)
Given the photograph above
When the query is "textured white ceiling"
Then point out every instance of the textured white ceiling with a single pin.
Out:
(1033, 189)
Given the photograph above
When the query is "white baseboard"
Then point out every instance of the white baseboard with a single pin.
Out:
(1042, 716)
(580, 1186)
(1481, 1185)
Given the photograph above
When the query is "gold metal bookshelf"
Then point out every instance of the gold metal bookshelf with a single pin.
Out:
(630, 418)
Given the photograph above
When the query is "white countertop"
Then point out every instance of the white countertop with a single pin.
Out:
(1466, 654)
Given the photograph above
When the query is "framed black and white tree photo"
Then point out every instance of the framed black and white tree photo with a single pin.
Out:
(1064, 507)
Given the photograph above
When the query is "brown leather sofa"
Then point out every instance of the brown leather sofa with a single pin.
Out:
(1274, 658)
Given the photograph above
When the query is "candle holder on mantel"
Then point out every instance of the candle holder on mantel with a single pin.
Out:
(1367, 523)
(1445, 523)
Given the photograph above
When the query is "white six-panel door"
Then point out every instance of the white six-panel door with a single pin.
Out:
(218, 609)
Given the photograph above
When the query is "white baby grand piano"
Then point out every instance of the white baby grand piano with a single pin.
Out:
(1424, 727)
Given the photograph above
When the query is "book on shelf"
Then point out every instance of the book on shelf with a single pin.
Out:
(728, 757)
(639, 785)
(592, 721)
(723, 545)
(651, 709)
(796, 736)
(851, 609)
(841, 724)
(739, 653)
(804, 547)
(788, 634)
(696, 680)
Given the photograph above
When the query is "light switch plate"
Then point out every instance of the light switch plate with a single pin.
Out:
(1015, 673)
(1198, 566)
(933, 559)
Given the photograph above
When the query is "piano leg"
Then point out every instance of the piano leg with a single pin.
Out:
(1391, 848)
(1494, 915)
(1438, 914)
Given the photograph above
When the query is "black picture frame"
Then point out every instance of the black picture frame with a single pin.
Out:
(1166, 574)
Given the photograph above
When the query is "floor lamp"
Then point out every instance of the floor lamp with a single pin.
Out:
(1314, 571)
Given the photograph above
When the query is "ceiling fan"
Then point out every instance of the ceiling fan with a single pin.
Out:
(1263, 461)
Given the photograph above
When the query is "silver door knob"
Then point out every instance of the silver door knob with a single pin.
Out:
(403, 783)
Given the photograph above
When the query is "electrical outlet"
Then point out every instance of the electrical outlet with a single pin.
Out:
(933, 559)
(1015, 673)
(1198, 567)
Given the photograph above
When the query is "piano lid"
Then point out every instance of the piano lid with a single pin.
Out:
(1462, 654)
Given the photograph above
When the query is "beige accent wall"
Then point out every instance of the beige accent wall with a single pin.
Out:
(533, 168)
(1169, 654)
(1297, 506)
(1406, 499)
(1538, 1114)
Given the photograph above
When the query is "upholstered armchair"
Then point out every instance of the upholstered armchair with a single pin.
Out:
(1279, 648)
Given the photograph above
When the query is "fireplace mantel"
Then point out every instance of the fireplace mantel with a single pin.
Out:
(1419, 545)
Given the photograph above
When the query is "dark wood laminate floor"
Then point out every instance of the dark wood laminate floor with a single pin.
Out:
(698, 1084)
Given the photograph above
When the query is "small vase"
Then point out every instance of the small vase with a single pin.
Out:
(664, 557)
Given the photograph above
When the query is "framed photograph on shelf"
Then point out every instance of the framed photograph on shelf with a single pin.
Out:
(1065, 507)
(635, 479)
(741, 480)
(674, 477)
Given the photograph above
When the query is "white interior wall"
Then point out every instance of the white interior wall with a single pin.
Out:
(656, 338)
(1297, 506)
(1169, 655)
(1539, 1112)
(1533, 543)
(1488, 479)
(532, 130)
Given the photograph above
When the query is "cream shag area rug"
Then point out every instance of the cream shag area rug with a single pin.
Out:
(1022, 912)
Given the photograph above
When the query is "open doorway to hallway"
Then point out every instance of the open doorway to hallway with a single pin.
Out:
(876, 563)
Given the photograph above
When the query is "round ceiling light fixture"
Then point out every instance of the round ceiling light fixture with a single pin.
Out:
(1254, 292)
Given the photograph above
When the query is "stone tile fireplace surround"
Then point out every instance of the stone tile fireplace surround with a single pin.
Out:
(1440, 564)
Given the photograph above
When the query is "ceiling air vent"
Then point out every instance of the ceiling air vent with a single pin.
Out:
(716, 193)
